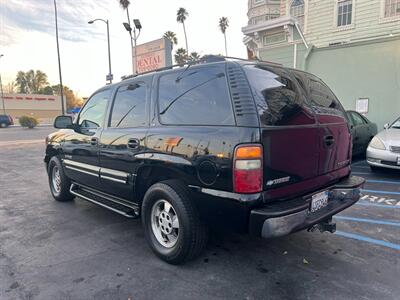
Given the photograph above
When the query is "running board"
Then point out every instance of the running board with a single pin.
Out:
(120, 206)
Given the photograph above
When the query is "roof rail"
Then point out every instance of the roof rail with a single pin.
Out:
(204, 60)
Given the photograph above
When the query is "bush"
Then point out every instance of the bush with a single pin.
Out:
(29, 122)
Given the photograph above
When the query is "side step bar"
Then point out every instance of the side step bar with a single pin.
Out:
(120, 206)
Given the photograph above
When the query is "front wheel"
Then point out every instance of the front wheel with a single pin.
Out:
(58, 181)
(172, 224)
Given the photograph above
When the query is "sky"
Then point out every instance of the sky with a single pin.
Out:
(27, 35)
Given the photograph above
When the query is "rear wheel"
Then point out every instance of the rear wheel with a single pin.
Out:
(172, 223)
(58, 181)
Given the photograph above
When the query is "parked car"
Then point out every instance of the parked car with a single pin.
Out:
(257, 147)
(384, 149)
(5, 121)
(362, 131)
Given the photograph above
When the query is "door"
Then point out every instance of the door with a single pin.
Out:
(361, 132)
(334, 134)
(81, 148)
(124, 139)
(289, 132)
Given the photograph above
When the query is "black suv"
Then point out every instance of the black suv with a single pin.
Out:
(5, 121)
(254, 146)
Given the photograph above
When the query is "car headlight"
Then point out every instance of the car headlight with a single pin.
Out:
(377, 144)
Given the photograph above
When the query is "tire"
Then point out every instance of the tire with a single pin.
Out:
(59, 184)
(185, 242)
(3, 125)
(375, 169)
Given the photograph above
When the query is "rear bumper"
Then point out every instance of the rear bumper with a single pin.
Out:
(282, 218)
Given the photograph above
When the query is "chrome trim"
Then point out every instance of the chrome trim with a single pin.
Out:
(81, 165)
(82, 171)
(113, 179)
(113, 172)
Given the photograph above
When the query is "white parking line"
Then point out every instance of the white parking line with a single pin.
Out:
(21, 142)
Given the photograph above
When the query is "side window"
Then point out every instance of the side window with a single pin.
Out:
(92, 114)
(278, 99)
(358, 120)
(195, 96)
(129, 108)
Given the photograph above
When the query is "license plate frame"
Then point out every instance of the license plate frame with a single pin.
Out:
(319, 201)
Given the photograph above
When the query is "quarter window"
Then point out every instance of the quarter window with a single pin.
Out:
(344, 12)
(358, 120)
(129, 108)
(195, 96)
(392, 8)
(92, 114)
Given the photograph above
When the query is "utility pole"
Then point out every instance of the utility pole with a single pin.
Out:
(59, 62)
(1, 87)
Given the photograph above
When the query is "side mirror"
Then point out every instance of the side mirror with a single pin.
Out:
(63, 122)
(386, 126)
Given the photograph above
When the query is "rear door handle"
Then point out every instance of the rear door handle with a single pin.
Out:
(133, 143)
(329, 140)
(94, 141)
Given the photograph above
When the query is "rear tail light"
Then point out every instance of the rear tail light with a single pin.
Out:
(248, 169)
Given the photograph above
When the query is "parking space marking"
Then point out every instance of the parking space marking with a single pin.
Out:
(376, 205)
(381, 192)
(383, 181)
(368, 239)
(364, 220)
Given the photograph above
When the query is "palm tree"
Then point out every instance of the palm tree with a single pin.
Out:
(223, 25)
(181, 56)
(125, 4)
(194, 56)
(181, 17)
(172, 37)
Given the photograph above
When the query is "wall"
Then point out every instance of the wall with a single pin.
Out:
(43, 107)
(363, 71)
(367, 22)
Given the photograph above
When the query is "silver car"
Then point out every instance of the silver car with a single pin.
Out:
(384, 149)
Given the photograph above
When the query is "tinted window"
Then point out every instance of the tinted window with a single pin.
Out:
(92, 114)
(278, 98)
(195, 96)
(129, 108)
(358, 120)
(318, 93)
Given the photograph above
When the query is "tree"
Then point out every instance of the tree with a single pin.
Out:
(223, 25)
(31, 81)
(71, 98)
(194, 56)
(181, 56)
(172, 37)
(125, 4)
(9, 88)
(181, 17)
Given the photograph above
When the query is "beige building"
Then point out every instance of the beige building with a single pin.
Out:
(43, 107)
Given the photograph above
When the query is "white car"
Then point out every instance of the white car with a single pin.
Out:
(384, 149)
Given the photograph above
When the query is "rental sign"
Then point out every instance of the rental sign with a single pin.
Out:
(153, 55)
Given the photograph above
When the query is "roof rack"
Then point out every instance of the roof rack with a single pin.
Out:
(204, 60)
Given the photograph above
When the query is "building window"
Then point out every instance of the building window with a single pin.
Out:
(344, 12)
(257, 2)
(263, 18)
(297, 11)
(274, 38)
(392, 8)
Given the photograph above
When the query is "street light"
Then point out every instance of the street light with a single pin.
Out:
(135, 37)
(109, 76)
(1, 86)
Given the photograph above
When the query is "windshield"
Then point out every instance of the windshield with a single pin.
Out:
(396, 124)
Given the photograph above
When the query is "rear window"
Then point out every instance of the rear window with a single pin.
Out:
(195, 96)
(277, 96)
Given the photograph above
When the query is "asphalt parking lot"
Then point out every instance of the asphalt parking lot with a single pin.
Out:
(51, 250)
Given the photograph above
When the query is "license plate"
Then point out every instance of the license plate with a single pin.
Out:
(398, 160)
(319, 201)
